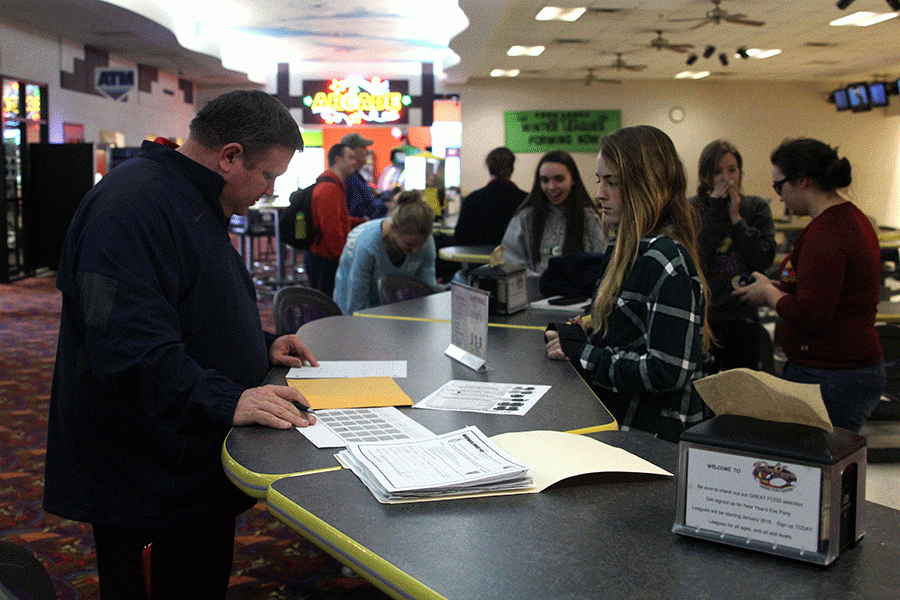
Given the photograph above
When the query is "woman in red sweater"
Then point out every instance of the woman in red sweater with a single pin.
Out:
(829, 285)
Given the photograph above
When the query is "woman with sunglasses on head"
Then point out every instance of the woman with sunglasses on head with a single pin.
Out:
(647, 334)
(737, 237)
(829, 285)
(557, 218)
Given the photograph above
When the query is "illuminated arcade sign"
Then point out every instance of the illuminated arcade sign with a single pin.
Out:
(355, 101)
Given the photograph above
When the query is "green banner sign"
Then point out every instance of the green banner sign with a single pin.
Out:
(570, 130)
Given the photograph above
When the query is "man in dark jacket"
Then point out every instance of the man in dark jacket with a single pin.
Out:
(161, 351)
(486, 212)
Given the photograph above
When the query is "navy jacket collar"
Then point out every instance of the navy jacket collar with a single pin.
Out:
(208, 183)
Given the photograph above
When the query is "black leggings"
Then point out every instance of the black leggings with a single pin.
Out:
(192, 561)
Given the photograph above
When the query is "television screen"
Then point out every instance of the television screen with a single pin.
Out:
(840, 99)
(858, 94)
(878, 93)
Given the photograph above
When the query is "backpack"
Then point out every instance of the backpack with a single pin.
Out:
(296, 226)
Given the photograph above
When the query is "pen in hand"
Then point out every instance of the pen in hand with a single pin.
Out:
(302, 407)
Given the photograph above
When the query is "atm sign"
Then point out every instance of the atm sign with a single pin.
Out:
(114, 83)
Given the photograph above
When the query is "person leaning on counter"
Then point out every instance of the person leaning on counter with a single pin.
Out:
(649, 329)
(399, 243)
(161, 350)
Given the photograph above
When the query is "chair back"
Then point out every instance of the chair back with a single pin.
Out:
(297, 305)
(889, 335)
(23, 575)
(397, 287)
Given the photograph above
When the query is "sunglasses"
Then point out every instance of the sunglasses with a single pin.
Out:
(777, 185)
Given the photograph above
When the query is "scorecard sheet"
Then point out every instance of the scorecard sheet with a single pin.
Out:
(337, 427)
(484, 397)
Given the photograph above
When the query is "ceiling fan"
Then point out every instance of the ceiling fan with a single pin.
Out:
(620, 65)
(718, 14)
(591, 77)
(661, 43)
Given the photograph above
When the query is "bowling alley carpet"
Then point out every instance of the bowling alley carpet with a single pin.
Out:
(271, 562)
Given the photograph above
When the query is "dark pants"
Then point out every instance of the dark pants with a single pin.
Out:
(189, 562)
(320, 271)
(850, 395)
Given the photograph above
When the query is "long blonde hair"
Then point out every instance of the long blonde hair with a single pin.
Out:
(653, 187)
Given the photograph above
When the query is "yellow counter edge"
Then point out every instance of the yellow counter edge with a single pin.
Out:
(382, 574)
(257, 485)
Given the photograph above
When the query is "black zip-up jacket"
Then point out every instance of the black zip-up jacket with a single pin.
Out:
(159, 336)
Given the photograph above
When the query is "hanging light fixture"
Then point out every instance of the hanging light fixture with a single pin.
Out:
(709, 51)
(691, 59)
(723, 58)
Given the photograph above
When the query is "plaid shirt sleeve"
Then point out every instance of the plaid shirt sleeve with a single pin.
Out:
(653, 341)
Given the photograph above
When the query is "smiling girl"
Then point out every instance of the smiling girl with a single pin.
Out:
(555, 219)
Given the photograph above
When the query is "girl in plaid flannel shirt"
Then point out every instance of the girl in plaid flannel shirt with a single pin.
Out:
(647, 332)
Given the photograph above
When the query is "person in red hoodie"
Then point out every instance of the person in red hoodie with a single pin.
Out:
(829, 285)
(331, 219)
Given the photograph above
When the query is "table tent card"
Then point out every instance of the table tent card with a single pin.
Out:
(469, 326)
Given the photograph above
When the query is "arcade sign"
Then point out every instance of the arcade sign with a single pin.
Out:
(114, 83)
(355, 101)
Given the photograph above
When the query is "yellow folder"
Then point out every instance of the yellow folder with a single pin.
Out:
(351, 392)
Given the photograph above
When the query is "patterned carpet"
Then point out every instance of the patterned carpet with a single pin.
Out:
(271, 561)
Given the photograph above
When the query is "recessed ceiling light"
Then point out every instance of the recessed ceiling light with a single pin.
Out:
(504, 73)
(757, 53)
(863, 19)
(692, 75)
(525, 50)
(555, 13)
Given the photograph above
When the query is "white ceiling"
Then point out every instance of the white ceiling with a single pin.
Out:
(310, 33)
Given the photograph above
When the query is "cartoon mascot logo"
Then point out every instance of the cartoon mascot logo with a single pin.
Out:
(773, 477)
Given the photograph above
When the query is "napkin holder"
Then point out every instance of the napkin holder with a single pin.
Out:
(781, 488)
(506, 285)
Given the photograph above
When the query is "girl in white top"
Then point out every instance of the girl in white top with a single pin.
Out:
(556, 218)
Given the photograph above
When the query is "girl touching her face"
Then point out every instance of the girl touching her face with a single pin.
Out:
(737, 237)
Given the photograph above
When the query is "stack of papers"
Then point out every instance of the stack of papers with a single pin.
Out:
(462, 462)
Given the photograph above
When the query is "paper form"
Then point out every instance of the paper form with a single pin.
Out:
(484, 397)
(337, 369)
(336, 428)
(432, 469)
(457, 461)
